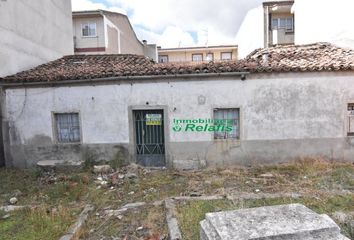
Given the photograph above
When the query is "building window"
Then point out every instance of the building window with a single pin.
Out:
(163, 59)
(67, 127)
(350, 131)
(210, 57)
(198, 57)
(283, 23)
(88, 29)
(230, 118)
(226, 56)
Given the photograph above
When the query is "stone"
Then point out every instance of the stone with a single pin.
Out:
(5, 216)
(131, 175)
(134, 205)
(340, 216)
(60, 165)
(286, 222)
(195, 194)
(10, 208)
(266, 175)
(13, 200)
(102, 169)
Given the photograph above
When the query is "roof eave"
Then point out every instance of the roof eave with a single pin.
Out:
(169, 77)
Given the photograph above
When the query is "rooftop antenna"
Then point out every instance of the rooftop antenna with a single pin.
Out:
(206, 31)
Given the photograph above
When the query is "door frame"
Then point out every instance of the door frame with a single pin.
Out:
(132, 135)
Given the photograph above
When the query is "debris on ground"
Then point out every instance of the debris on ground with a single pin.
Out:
(102, 169)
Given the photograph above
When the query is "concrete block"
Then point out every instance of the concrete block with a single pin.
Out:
(283, 222)
(59, 165)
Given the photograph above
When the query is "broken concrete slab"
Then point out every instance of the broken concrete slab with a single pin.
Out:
(172, 223)
(10, 208)
(74, 229)
(286, 222)
(60, 165)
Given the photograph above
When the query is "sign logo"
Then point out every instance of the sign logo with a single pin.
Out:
(202, 125)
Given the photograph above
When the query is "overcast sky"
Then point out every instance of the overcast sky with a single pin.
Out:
(174, 23)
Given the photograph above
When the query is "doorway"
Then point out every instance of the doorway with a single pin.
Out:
(149, 137)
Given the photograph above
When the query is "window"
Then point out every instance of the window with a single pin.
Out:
(350, 131)
(230, 117)
(283, 23)
(67, 127)
(88, 29)
(226, 56)
(210, 57)
(163, 59)
(198, 57)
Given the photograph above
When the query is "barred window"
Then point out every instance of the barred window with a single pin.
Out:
(67, 127)
(350, 130)
(230, 117)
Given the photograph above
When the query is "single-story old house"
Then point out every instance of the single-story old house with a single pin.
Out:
(277, 104)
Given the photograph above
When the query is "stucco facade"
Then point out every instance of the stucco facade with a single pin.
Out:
(30, 36)
(113, 35)
(282, 116)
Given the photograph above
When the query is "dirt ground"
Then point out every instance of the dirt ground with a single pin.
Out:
(56, 199)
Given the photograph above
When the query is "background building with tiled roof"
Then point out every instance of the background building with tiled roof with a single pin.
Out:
(198, 54)
(105, 32)
(277, 104)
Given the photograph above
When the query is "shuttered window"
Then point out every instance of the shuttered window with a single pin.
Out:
(67, 127)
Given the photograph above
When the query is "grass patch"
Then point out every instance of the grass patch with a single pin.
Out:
(37, 224)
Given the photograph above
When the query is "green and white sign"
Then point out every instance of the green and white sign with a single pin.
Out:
(202, 125)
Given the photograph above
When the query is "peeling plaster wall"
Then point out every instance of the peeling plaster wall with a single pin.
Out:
(282, 117)
(33, 32)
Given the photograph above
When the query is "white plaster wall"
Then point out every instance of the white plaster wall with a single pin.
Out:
(272, 109)
(33, 32)
(324, 21)
(89, 42)
(250, 36)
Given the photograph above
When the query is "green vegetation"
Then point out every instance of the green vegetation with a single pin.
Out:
(36, 224)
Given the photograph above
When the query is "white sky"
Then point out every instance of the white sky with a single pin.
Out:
(173, 23)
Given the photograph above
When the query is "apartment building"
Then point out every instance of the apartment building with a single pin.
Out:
(198, 54)
(272, 23)
(31, 36)
(105, 32)
(278, 23)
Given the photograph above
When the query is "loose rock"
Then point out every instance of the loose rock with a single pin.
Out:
(13, 201)
(102, 169)
(266, 175)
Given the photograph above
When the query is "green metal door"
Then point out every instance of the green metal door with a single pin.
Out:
(150, 139)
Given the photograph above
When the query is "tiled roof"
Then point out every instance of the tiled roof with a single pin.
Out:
(301, 58)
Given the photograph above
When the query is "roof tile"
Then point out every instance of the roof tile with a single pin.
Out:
(294, 58)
